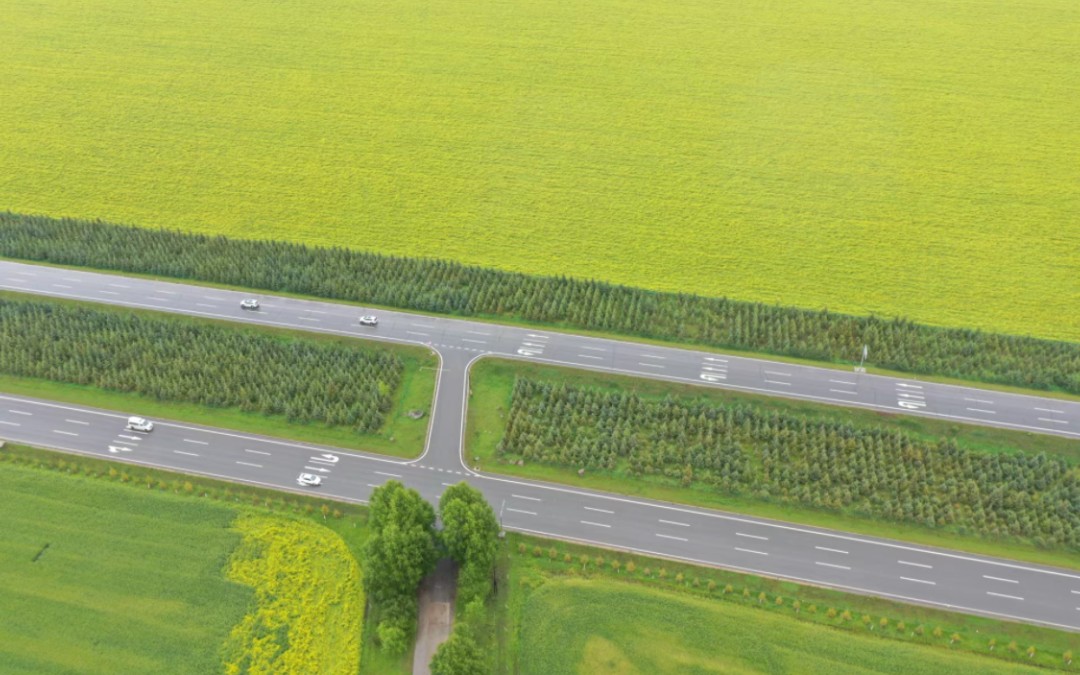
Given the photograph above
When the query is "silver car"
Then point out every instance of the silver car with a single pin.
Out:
(139, 424)
(250, 303)
(369, 320)
(308, 480)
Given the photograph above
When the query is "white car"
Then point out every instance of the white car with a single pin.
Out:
(139, 424)
(369, 320)
(308, 480)
(250, 303)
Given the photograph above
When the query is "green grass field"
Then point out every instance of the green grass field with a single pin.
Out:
(99, 577)
(599, 627)
(880, 156)
(131, 581)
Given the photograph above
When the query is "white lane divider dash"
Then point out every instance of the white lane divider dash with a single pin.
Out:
(831, 550)
(389, 475)
(189, 454)
(920, 581)
(652, 356)
(20, 412)
(847, 382)
(66, 433)
(257, 466)
(256, 452)
(65, 286)
(978, 400)
(1008, 581)
(1002, 595)
(980, 410)
(751, 536)
(668, 536)
(777, 373)
(525, 497)
(594, 349)
(527, 513)
(82, 422)
(1051, 410)
(589, 522)
(839, 567)
(650, 365)
(10, 424)
(674, 522)
(747, 550)
(1047, 419)
(786, 384)
(195, 442)
(591, 508)
(915, 564)
(590, 356)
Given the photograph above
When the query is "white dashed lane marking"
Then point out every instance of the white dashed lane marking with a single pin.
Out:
(747, 550)
(831, 550)
(839, 567)
(591, 508)
(589, 522)
(751, 536)
(1002, 595)
(915, 564)
(668, 536)
(527, 513)
(920, 581)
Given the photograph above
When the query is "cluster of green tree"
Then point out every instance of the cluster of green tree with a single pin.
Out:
(173, 359)
(745, 449)
(440, 286)
(404, 547)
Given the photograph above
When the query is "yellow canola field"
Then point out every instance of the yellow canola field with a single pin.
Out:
(891, 156)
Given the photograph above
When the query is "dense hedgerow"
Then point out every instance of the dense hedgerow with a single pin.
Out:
(440, 286)
(778, 456)
(173, 359)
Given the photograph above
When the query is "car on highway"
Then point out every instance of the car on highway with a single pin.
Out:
(250, 303)
(139, 424)
(369, 320)
(308, 480)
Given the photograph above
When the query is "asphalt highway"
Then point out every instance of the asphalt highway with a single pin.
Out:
(942, 578)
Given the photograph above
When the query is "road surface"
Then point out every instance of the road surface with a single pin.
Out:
(866, 565)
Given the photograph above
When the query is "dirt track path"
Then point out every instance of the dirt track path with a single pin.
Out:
(436, 614)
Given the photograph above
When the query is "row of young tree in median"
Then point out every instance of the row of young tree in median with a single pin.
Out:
(445, 287)
(826, 464)
(404, 547)
(174, 359)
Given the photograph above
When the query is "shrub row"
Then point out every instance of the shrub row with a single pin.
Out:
(825, 464)
(450, 288)
(174, 359)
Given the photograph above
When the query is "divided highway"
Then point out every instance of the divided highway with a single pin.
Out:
(866, 565)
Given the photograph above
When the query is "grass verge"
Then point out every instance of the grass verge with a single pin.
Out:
(491, 382)
(570, 608)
